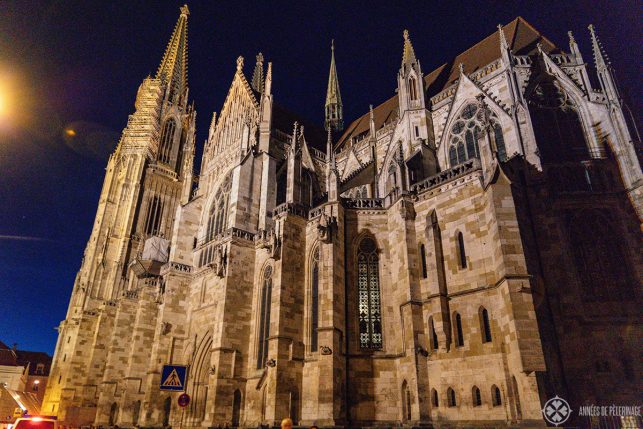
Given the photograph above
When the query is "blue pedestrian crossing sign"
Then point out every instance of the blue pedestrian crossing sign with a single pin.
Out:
(173, 378)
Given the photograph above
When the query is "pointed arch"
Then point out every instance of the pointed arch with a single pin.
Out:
(476, 398)
(433, 336)
(485, 326)
(496, 396)
(264, 316)
(413, 90)
(406, 402)
(166, 142)
(236, 408)
(369, 301)
(556, 122)
(197, 386)
(457, 330)
(434, 398)
(113, 414)
(314, 264)
(461, 251)
(451, 398)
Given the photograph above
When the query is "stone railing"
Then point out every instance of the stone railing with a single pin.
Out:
(446, 176)
(563, 59)
(177, 267)
(522, 60)
(316, 153)
(317, 211)
(130, 294)
(364, 203)
(387, 128)
(491, 67)
(290, 208)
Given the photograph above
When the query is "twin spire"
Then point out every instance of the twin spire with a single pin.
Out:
(173, 70)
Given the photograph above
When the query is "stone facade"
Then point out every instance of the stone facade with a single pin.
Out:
(427, 268)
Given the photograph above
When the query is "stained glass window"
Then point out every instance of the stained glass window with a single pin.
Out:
(467, 130)
(370, 314)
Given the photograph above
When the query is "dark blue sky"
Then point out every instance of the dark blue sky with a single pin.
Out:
(78, 64)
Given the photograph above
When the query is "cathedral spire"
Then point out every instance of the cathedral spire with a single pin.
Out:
(173, 70)
(334, 115)
(257, 76)
(408, 56)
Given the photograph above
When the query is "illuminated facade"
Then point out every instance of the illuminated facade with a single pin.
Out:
(441, 260)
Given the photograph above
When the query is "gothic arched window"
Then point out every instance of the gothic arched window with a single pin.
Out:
(476, 399)
(314, 300)
(413, 89)
(167, 138)
(154, 216)
(433, 335)
(459, 336)
(601, 264)
(451, 397)
(218, 215)
(264, 317)
(434, 398)
(462, 255)
(496, 397)
(467, 130)
(370, 312)
(557, 125)
(392, 177)
(485, 326)
(423, 260)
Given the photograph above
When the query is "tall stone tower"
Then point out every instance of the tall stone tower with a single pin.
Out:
(147, 177)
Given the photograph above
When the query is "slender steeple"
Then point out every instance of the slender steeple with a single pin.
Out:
(334, 114)
(257, 76)
(173, 70)
(604, 69)
(408, 56)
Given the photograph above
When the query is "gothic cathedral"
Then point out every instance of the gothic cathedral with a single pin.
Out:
(454, 257)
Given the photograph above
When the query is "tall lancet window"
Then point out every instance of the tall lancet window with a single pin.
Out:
(264, 317)
(218, 215)
(413, 91)
(154, 215)
(167, 138)
(314, 300)
(370, 312)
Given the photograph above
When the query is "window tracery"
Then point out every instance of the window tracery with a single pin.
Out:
(370, 314)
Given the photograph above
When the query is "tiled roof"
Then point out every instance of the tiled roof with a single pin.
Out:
(34, 358)
(522, 38)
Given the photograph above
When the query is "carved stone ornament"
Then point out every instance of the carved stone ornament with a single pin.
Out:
(325, 227)
(220, 261)
(325, 350)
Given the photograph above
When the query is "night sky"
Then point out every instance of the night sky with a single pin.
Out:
(77, 65)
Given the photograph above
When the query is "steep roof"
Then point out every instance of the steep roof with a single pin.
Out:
(523, 39)
(34, 358)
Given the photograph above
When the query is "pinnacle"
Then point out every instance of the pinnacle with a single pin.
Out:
(408, 55)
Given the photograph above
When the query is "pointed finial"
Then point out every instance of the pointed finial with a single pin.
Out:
(185, 10)
(503, 39)
(370, 108)
(571, 37)
(239, 63)
(461, 68)
(332, 44)
(408, 55)
(257, 76)
(540, 47)
(268, 84)
(599, 53)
